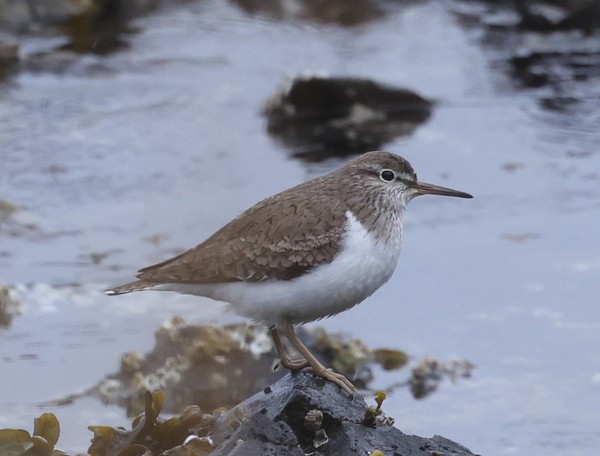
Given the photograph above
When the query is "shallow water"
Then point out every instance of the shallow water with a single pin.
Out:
(119, 161)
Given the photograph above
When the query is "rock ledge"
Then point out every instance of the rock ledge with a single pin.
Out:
(303, 414)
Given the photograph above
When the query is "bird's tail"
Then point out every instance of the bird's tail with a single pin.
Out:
(138, 285)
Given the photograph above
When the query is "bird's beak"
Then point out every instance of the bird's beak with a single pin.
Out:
(429, 189)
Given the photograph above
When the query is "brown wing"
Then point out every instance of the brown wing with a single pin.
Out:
(269, 241)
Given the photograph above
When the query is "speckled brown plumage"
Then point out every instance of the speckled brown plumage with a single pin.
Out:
(268, 241)
(295, 231)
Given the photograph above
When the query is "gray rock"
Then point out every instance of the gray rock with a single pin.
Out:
(304, 414)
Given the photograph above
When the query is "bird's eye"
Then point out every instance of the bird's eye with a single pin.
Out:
(387, 175)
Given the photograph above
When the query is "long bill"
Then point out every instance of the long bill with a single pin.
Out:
(429, 189)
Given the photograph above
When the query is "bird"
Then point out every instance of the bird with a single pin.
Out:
(307, 253)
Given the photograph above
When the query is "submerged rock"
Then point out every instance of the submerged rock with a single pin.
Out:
(321, 117)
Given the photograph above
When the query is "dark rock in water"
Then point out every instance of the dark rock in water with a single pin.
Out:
(304, 414)
(537, 69)
(98, 30)
(552, 47)
(92, 26)
(32, 15)
(9, 57)
(37, 15)
(323, 117)
(341, 12)
(548, 16)
(545, 15)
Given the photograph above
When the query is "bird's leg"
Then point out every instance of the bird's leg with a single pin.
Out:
(286, 361)
(315, 365)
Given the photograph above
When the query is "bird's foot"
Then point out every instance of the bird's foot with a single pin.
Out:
(339, 379)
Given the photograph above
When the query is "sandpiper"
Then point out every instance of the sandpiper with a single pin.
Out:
(306, 253)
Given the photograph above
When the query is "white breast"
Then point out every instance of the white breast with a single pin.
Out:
(361, 267)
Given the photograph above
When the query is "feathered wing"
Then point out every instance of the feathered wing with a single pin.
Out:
(263, 243)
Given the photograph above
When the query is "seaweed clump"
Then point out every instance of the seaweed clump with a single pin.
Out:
(178, 436)
(19, 442)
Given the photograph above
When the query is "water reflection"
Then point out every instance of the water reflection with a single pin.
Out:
(320, 118)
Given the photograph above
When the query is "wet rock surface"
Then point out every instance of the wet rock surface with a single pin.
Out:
(322, 117)
(303, 414)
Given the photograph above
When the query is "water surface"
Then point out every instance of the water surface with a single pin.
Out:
(119, 161)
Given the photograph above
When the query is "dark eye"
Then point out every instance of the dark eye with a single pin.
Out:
(387, 175)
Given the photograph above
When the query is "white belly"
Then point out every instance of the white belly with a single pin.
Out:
(361, 267)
